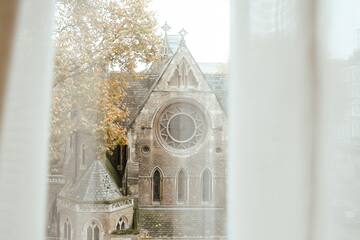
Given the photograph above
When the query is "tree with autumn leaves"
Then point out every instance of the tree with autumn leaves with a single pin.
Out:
(94, 38)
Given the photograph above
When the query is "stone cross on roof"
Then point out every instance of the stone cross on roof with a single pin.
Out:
(182, 34)
(165, 49)
(166, 28)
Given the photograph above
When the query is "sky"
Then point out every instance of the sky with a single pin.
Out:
(344, 21)
(208, 25)
(206, 21)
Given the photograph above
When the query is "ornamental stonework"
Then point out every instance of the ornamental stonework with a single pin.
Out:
(181, 126)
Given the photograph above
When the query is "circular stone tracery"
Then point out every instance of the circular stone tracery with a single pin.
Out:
(181, 126)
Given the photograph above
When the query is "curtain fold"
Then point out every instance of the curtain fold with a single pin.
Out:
(24, 128)
(294, 120)
(271, 115)
(7, 19)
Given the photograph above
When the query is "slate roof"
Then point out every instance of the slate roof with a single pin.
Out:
(217, 83)
(213, 68)
(95, 186)
(136, 94)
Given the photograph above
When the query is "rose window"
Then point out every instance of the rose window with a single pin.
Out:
(181, 126)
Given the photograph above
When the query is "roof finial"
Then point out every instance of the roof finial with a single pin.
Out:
(165, 48)
(166, 28)
(182, 33)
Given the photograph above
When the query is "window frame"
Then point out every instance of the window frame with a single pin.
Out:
(93, 224)
(186, 187)
(157, 201)
(211, 187)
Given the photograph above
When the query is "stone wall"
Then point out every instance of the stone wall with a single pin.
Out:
(209, 154)
(105, 220)
(184, 223)
(193, 217)
(55, 184)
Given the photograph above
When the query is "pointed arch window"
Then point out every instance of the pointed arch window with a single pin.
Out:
(89, 233)
(67, 230)
(122, 224)
(206, 182)
(183, 76)
(96, 233)
(157, 185)
(93, 232)
(181, 186)
(83, 155)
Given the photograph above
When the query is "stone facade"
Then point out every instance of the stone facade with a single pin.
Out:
(170, 217)
(94, 201)
(171, 183)
(106, 221)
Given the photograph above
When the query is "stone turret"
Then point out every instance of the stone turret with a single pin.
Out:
(94, 205)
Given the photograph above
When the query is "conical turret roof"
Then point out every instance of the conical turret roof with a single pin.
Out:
(96, 185)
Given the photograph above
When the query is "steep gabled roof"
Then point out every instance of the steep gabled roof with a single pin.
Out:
(95, 186)
(136, 93)
(139, 91)
(218, 83)
(141, 106)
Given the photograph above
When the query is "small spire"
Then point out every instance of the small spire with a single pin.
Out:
(166, 28)
(182, 34)
(165, 49)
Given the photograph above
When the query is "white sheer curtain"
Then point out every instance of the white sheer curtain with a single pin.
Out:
(271, 117)
(24, 129)
(294, 150)
(337, 176)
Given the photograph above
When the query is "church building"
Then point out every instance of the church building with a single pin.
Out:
(170, 181)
